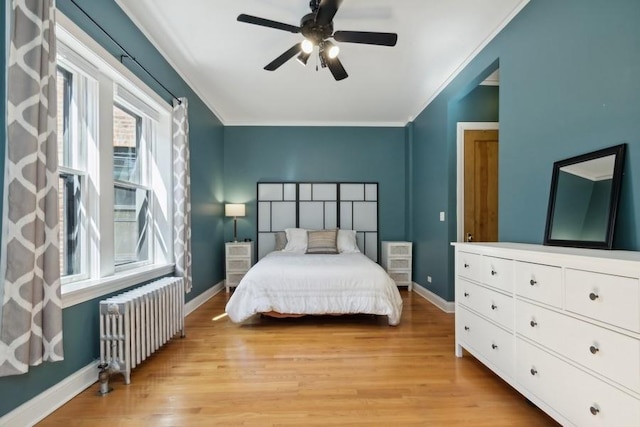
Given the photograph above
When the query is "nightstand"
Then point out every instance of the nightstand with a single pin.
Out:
(396, 259)
(238, 258)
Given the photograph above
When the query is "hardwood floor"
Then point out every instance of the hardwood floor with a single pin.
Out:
(314, 371)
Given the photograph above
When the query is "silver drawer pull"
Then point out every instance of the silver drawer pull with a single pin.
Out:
(493, 306)
(532, 282)
(594, 410)
(533, 323)
(593, 349)
(494, 346)
(533, 371)
(466, 294)
(466, 328)
(593, 296)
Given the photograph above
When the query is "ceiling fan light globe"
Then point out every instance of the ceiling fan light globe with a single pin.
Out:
(307, 46)
(333, 52)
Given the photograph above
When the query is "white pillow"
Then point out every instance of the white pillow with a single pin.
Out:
(296, 240)
(347, 242)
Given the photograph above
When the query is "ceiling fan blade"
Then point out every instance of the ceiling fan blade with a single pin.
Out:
(365, 37)
(336, 68)
(326, 11)
(249, 19)
(273, 65)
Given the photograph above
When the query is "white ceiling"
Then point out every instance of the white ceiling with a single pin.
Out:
(223, 60)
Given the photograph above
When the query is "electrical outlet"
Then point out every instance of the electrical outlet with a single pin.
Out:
(429, 279)
(441, 216)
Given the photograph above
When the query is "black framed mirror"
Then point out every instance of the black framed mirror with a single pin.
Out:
(583, 200)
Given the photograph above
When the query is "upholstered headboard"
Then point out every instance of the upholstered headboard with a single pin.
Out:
(318, 205)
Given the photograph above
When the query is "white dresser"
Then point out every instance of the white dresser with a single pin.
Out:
(238, 260)
(561, 325)
(396, 259)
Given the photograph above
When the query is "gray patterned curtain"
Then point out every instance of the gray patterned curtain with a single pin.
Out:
(31, 313)
(181, 192)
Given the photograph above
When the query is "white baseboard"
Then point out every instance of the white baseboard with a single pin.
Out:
(192, 305)
(442, 304)
(36, 409)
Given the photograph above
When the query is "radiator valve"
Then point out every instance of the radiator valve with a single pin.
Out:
(103, 378)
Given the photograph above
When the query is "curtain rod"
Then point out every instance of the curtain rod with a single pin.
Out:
(126, 53)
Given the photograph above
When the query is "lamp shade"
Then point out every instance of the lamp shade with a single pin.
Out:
(234, 209)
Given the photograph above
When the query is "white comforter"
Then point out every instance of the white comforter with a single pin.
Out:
(295, 283)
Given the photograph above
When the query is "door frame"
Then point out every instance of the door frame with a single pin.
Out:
(460, 128)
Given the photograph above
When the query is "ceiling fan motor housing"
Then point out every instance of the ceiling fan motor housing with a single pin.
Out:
(314, 32)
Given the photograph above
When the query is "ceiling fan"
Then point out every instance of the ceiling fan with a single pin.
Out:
(317, 29)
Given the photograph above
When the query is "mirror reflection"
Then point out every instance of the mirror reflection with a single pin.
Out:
(582, 200)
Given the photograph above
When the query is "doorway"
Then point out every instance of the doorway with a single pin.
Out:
(477, 181)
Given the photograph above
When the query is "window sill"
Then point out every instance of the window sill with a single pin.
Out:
(85, 290)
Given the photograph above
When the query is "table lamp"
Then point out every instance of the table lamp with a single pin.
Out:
(235, 210)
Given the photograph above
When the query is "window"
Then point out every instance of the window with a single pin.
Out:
(131, 198)
(115, 171)
(71, 87)
(68, 182)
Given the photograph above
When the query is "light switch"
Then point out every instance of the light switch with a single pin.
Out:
(441, 216)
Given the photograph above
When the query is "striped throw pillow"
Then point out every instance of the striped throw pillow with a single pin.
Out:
(322, 242)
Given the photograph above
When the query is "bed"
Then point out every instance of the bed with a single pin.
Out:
(317, 245)
(294, 283)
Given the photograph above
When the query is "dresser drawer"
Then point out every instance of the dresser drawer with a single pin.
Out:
(398, 263)
(539, 282)
(498, 272)
(238, 249)
(469, 266)
(397, 249)
(233, 278)
(488, 340)
(581, 398)
(238, 264)
(400, 277)
(496, 306)
(610, 299)
(613, 355)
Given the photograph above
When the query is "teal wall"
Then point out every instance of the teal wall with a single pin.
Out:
(568, 85)
(206, 142)
(254, 154)
(433, 189)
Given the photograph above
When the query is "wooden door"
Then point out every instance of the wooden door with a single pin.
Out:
(481, 185)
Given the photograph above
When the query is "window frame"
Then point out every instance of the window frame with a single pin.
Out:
(116, 85)
(145, 149)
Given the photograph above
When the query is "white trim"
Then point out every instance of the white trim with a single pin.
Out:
(42, 405)
(205, 296)
(461, 127)
(441, 303)
(79, 292)
(475, 53)
(321, 124)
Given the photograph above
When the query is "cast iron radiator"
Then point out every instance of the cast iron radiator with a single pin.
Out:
(136, 323)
